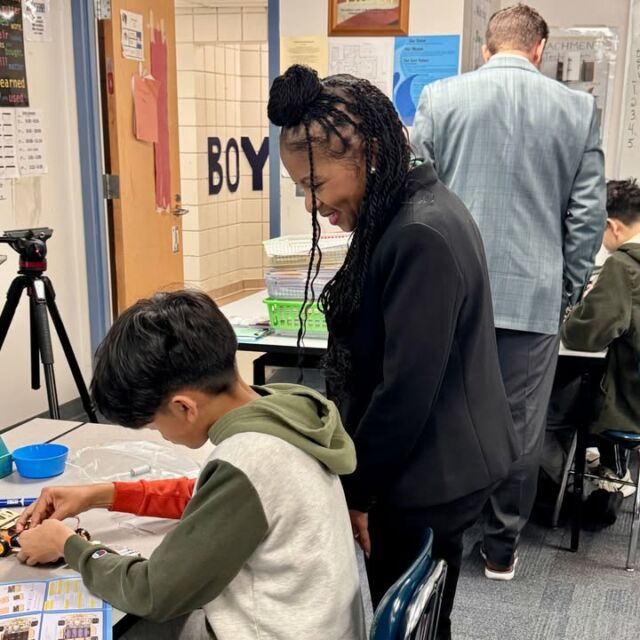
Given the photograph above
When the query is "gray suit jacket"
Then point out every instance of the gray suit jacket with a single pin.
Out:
(523, 153)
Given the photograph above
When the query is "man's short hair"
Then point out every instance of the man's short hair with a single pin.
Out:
(161, 345)
(623, 200)
(517, 28)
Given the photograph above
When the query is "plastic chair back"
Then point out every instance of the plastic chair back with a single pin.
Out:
(423, 612)
(389, 616)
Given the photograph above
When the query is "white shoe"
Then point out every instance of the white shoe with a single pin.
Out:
(592, 458)
(608, 482)
(493, 573)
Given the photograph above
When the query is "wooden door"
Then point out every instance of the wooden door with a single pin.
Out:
(146, 241)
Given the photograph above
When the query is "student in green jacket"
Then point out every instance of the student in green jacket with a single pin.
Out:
(609, 318)
(264, 545)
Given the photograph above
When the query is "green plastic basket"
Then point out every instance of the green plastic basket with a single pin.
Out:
(284, 317)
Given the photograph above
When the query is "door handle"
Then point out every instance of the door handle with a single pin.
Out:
(179, 209)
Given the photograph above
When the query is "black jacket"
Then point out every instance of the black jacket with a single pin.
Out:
(427, 408)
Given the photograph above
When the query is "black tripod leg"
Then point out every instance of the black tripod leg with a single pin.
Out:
(35, 351)
(18, 285)
(41, 321)
(87, 403)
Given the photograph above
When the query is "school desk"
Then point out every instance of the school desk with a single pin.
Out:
(105, 526)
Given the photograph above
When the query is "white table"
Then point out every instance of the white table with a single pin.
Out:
(278, 351)
(283, 350)
(106, 526)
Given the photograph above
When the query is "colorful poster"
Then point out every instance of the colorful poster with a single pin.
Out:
(421, 60)
(312, 51)
(131, 35)
(370, 58)
(37, 20)
(13, 71)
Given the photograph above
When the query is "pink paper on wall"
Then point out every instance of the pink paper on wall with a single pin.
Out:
(161, 148)
(145, 105)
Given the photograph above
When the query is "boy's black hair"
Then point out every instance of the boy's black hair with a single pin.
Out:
(160, 345)
(623, 201)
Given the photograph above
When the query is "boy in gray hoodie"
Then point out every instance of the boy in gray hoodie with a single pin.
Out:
(264, 545)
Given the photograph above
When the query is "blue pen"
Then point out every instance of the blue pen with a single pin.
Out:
(16, 502)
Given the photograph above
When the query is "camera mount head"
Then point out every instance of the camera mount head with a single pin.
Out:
(31, 245)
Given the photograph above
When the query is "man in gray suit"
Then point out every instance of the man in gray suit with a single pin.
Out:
(523, 153)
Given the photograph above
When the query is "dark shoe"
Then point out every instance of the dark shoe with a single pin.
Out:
(496, 572)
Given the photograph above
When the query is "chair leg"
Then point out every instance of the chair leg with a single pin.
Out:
(565, 480)
(635, 526)
(582, 434)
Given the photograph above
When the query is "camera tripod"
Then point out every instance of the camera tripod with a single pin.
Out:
(42, 298)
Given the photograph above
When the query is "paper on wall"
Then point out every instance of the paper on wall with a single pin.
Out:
(6, 218)
(629, 162)
(420, 60)
(146, 90)
(312, 51)
(131, 35)
(369, 58)
(30, 137)
(585, 59)
(37, 20)
(8, 153)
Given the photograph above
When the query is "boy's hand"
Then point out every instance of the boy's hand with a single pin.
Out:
(44, 543)
(360, 526)
(65, 502)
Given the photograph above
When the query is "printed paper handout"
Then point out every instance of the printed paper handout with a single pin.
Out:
(58, 608)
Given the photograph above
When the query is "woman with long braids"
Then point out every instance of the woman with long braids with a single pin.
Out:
(412, 359)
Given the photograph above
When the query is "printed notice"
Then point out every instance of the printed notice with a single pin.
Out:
(369, 58)
(13, 71)
(37, 20)
(131, 35)
(420, 60)
(8, 153)
(311, 51)
(30, 135)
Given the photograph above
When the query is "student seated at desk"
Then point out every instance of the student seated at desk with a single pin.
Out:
(609, 318)
(264, 544)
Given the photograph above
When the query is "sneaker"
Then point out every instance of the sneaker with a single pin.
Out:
(496, 572)
(608, 481)
(592, 458)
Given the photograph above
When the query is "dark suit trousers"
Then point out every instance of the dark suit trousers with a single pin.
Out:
(528, 364)
(397, 537)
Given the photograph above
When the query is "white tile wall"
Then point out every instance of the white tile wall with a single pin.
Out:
(229, 25)
(222, 90)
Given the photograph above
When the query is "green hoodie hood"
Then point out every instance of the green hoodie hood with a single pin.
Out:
(632, 249)
(298, 415)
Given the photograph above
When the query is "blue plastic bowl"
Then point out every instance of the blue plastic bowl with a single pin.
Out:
(40, 460)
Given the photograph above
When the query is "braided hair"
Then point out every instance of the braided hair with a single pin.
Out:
(332, 114)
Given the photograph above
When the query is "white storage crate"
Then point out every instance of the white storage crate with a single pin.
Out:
(289, 284)
(295, 250)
